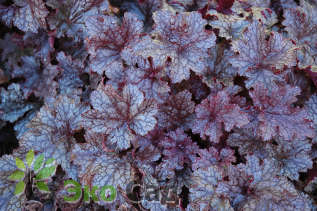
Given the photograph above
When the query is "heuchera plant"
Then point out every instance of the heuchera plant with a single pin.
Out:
(178, 104)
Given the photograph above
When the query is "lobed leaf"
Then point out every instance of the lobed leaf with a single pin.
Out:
(36, 81)
(120, 115)
(202, 189)
(217, 114)
(259, 57)
(68, 20)
(52, 131)
(108, 37)
(294, 157)
(28, 16)
(97, 168)
(301, 26)
(13, 105)
(275, 114)
(178, 150)
(267, 190)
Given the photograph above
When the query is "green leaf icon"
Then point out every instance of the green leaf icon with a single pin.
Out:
(46, 173)
(16, 175)
(29, 158)
(41, 185)
(19, 188)
(50, 161)
(38, 162)
(20, 164)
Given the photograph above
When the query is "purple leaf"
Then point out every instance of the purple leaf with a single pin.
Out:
(120, 115)
(276, 116)
(25, 15)
(12, 105)
(69, 15)
(301, 26)
(177, 111)
(98, 168)
(212, 156)
(202, 189)
(182, 43)
(265, 190)
(294, 157)
(216, 114)
(149, 76)
(107, 37)
(178, 149)
(185, 39)
(52, 130)
(69, 78)
(258, 58)
(37, 81)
